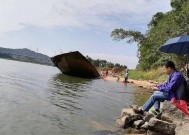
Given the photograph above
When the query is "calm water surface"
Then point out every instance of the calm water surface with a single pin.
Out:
(39, 100)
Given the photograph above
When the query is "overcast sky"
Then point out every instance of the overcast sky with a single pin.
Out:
(52, 27)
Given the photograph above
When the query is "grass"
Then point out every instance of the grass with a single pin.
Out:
(154, 74)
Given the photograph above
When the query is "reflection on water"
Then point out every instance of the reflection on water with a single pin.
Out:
(140, 99)
(66, 91)
(39, 100)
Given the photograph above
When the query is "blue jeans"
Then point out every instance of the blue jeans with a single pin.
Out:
(155, 100)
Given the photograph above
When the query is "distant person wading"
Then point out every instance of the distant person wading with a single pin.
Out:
(126, 75)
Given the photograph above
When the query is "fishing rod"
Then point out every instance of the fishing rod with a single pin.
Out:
(140, 93)
(127, 92)
(109, 97)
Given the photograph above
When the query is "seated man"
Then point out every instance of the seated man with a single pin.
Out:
(165, 91)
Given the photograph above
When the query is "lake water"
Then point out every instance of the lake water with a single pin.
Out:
(39, 100)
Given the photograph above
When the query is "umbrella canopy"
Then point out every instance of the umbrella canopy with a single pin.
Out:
(177, 45)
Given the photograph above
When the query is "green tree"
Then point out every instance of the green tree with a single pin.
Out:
(161, 28)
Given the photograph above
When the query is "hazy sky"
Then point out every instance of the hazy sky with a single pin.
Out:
(59, 26)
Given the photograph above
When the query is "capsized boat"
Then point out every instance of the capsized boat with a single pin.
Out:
(75, 64)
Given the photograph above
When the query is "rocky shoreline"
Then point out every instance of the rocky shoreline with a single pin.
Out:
(170, 121)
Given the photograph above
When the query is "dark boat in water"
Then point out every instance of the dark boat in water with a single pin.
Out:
(75, 64)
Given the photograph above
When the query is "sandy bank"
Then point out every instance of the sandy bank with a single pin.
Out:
(144, 84)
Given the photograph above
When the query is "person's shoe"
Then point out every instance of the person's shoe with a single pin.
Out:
(139, 111)
(157, 110)
(153, 112)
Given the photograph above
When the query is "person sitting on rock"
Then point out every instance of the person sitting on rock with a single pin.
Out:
(165, 91)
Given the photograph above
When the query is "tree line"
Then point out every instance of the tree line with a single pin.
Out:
(104, 63)
(162, 27)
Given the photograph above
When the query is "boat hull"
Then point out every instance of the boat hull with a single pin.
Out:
(75, 64)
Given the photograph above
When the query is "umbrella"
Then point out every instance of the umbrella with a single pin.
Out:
(177, 45)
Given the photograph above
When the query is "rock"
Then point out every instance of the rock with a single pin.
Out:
(163, 127)
(144, 126)
(127, 111)
(153, 133)
(183, 129)
(137, 124)
(121, 121)
(170, 121)
(120, 131)
(158, 116)
(133, 131)
(165, 118)
(134, 106)
(171, 111)
(147, 117)
(130, 120)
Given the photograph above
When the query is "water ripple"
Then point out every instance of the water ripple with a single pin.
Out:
(38, 99)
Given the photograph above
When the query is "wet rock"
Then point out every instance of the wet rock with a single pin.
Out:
(132, 131)
(104, 132)
(121, 131)
(130, 120)
(159, 126)
(127, 111)
(121, 121)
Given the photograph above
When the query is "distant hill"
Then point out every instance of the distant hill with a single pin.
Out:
(25, 55)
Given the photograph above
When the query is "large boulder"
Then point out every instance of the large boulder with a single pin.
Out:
(163, 127)
(172, 113)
